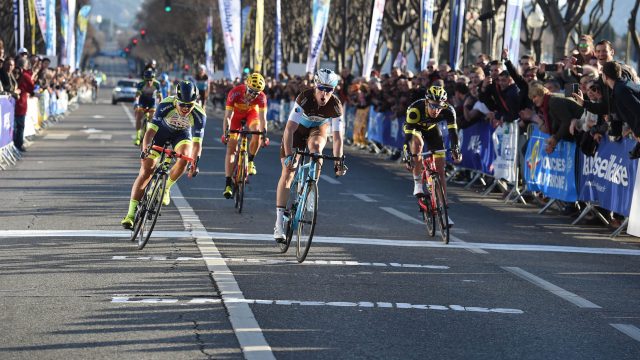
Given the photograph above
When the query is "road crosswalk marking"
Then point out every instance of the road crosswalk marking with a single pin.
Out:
(57, 136)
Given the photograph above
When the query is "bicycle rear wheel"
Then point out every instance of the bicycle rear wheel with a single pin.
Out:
(428, 216)
(290, 212)
(307, 212)
(153, 199)
(441, 210)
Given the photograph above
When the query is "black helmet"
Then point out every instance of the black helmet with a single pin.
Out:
(186, 91)
(436, 93)
(149, 74)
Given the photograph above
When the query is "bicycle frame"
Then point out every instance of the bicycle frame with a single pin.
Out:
(428, 171)
(241, 166)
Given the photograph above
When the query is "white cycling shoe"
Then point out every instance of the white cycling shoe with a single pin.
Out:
(450, 221)
(417, 189)
(278, 233)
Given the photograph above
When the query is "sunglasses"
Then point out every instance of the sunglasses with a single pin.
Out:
(326, 89)
(186, 105)
(252, 92)
(584, 46)
(433, 106)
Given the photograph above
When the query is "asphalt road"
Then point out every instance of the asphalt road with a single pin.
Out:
(211, 283)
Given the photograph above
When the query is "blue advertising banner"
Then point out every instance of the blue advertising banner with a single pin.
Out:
(477, 147)
(349, 118)
(385, 128)
(273, 110)
(7, 106)
(608, 178)
(553, 174)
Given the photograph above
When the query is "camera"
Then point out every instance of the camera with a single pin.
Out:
(551, 67)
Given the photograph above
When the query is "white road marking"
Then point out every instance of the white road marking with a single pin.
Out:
(132, 119)
(123, 234)
(100, 137)
(365, 197)
(556, 290)
(98, 117)
(277, 261)
(629, 330)
(401, 215)
(359, 304)
(57, 136)
(245, 326)
(91, 131)
(211, 173)
(330, 179)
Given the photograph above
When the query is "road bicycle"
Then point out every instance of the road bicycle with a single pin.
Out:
(150, 205)
(301, 211)
(241, 168)
(433, 202)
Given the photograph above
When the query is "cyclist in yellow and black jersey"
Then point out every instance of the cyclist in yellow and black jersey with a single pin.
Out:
(421, 126)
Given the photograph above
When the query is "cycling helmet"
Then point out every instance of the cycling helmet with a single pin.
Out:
(255, 82)
(149, 74)
(326, 77)
(186, 91)
(164, 77)
(436, 93)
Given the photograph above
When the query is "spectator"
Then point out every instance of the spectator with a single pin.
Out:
(585, 50)
(626, 99)
(604, 52)
(25, 84)
(1, 49)
(555, 114)
(9, 82)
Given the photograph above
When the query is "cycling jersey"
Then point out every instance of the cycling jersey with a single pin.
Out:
(307, 113)
(147, 94)
(170, 125)
(242, 109)
(419, 123)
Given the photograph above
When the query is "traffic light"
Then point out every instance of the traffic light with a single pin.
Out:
(134, 41)
(167, 5)
(143, 32)
(127, 50)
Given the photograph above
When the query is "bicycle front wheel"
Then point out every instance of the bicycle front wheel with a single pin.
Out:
(428, 215)
(307, 212)
(289, 213)
(441, 210)
(240, 173)
(153, 198)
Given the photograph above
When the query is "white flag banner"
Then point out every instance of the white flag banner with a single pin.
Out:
(374, 34)
(71, 35)
(50, 33)
(320, 18)
(230, 20)
(505, 144)
(633, 228)
(512, 28)
(41, 14)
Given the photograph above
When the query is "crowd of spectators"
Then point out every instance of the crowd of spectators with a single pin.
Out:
(24, 75)
(583, 97)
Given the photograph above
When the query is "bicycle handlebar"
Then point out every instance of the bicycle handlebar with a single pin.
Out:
(318, 156)
(246, 132)
(171, 153)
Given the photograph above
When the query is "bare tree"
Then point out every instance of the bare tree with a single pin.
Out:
(632, 29)
(562, 20)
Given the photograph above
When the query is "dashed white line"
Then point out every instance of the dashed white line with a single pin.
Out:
(556, 290)
(358, 304)
(401, 215)
(365, 197)
(54, 136)
(330, 180)
(629, 330)
(100, 137)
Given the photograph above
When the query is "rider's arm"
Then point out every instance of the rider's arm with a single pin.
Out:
(228, 110)
(262, 111)
(158, 90)
(136, 99)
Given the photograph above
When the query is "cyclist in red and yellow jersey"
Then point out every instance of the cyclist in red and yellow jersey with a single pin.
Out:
(244, 102)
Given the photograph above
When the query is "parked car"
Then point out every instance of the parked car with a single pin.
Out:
(125, 90)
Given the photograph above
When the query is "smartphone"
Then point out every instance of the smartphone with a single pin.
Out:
(551, 67)
(575, 87)
(571, 89)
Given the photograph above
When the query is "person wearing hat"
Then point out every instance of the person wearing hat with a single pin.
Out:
(23, 51)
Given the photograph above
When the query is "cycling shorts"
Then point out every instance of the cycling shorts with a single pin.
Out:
(432, 136)
(251, 116)
(147, 102)
(302, 135)
(175, 137)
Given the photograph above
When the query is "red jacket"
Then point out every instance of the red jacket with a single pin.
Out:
(25, 84)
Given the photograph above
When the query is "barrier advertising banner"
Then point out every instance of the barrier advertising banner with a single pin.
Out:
(505, 144)
(633, 228)
(553, 174)
(477, 147)
(6, 120)
(608, 177)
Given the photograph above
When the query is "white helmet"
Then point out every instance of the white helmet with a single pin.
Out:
(326, 77)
